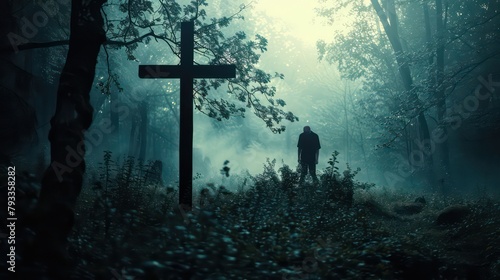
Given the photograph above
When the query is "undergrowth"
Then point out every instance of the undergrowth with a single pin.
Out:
(129, 225)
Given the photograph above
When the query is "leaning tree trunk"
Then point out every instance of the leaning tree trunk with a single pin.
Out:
(390, 24)
(62, 180)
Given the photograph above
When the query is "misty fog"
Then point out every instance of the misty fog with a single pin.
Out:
(312, 89)
(97, 183)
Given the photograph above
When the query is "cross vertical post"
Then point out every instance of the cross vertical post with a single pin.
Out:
(186, 116)
(187, 72)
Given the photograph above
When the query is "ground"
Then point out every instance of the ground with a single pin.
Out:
(272, 228)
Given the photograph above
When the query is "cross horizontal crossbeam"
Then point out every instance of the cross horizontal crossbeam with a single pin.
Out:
(177, 71)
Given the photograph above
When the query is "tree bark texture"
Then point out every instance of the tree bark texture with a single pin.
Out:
(62, 181)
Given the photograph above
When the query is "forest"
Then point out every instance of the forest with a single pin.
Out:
(159, 139)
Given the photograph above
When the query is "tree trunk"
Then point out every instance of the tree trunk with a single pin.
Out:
(18, 122)
(346, 120)
(441, 102)
(133, 135)
(115, 120)
(62, 180)
(440, 96)
(143, 132)
(391, 30)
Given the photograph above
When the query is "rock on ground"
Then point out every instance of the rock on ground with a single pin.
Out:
(452, 214)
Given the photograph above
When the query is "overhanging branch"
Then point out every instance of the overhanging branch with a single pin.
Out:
(31, 46)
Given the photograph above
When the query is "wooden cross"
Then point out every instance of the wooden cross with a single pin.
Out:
(186, 71)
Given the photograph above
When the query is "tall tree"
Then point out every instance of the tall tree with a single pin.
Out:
(389, 20)
(452, 47)
(62, 181)
(387, 16)
(436, 85)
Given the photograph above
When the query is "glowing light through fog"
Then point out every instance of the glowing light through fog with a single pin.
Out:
(299, 16)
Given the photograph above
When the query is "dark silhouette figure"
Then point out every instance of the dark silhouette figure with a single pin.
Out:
(308, 153)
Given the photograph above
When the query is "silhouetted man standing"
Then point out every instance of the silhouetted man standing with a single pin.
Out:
(308, 153)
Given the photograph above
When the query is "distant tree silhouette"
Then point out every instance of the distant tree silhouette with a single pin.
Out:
(18, 119)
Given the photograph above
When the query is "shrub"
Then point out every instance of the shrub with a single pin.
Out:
(339, 188)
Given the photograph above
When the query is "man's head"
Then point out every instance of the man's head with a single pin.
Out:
(307, 129)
